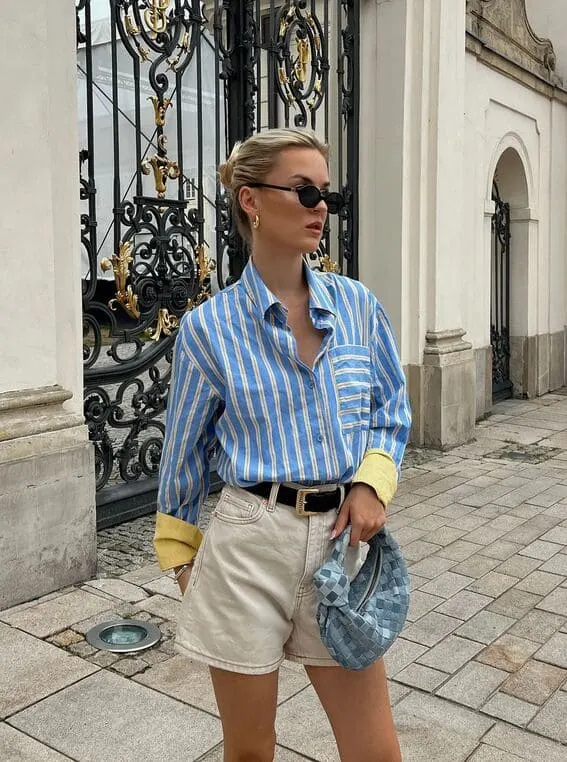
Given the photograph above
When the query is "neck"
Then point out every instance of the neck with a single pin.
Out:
(282, 275)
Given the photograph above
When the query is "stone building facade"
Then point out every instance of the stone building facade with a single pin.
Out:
(470, 119)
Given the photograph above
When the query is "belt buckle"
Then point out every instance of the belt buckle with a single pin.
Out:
(301, 498)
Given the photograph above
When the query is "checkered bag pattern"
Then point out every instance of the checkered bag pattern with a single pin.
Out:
(360, 620)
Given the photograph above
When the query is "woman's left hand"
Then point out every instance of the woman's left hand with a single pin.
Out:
(364, 511)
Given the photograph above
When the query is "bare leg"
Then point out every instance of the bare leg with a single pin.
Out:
(247, 706)
(358, 707)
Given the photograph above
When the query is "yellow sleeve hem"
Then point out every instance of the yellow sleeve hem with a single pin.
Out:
(175, 541)
(379, 471)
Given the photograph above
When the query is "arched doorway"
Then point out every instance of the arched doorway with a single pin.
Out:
(500, 298)
(509, 255)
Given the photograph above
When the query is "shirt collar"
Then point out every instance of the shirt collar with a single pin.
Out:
(264, 299)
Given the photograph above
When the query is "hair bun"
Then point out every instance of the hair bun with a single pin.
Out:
(226, 170)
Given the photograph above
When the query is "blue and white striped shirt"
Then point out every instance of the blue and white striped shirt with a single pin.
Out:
(239, 388)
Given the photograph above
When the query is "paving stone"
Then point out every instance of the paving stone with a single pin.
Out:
(556, 565)
(397, 692)
(493, 584)
(32, 669)
(556, 602)
(416, 582)
(540, 549)
(549, 497)
(510, 709)
(65, 638)
(473, 685)
(420, 676)
(540, 583)
(159, 605)
(518, 566)
(450, 509)
(554, 651)
(89, 719)
(551, 720)
(538, 626)
(142, 575)
(557, 534)
(508, 653)
(189, 681)
(281, 755)
(419, 549)
(105, 616)
(421, 603)
(303, 727)
(485, 627)
(431, 567)
(431, 628)
(491, 754)
(444, 535)
(164, 585)
(446, 584)
(501, 549)
(515, 603)
(129, 666)
(17, 747)
(82, 649)
(60, 613)
(401, 653)
(450, 655)
(469, 522)
(535, 681)
(464, 605)
(476, 566)
(432, 522)
(118, 588)
(154, 656)
(459, 550)
(485, 496)
(529, 532)
(104, 658)
(442, 731)
(408, 534)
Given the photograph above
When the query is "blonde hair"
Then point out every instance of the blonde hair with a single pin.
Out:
(250, 162)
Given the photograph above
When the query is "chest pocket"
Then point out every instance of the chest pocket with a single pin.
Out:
(351, 369)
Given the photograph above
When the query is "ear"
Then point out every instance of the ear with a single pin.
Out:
(248, 201)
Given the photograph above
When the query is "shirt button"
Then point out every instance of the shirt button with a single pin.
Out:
(319, 438)
(312, 384)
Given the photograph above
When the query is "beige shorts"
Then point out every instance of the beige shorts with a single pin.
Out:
(251, 602)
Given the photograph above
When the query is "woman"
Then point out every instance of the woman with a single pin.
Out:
(294, 378)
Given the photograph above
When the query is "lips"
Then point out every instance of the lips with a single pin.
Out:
(316, 227)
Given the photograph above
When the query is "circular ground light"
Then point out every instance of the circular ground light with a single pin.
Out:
(124, 636)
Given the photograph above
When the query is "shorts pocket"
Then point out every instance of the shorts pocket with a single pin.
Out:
(351, 370)
(198, 565)
(237, 507)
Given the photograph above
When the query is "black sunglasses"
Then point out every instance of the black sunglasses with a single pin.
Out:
(309, 196)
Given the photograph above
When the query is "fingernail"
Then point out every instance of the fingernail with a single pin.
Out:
(333, 534)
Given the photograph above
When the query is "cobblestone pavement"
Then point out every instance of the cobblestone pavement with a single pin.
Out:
(479, 674)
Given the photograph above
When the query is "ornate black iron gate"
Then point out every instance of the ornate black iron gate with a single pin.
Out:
(165, 89)
(500, 299)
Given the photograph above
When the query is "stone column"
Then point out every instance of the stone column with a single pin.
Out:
(411, 202)
(47, 506)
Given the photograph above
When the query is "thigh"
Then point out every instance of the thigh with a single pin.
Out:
(247, 707)
(358, 707)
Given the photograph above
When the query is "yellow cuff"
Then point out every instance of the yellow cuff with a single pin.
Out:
(175, 541)
(378, 470)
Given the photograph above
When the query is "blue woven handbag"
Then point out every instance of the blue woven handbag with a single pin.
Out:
(360, 620)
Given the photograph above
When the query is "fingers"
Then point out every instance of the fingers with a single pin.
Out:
(341, 522)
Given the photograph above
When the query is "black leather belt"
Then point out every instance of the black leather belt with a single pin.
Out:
(307, 501)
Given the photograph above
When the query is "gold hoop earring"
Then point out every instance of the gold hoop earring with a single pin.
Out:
(256, 222)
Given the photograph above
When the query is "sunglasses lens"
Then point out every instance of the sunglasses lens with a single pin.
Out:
(309, 196)
(334, 203)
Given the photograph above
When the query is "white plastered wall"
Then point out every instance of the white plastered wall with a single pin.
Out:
(500, 114)
(40, 340)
